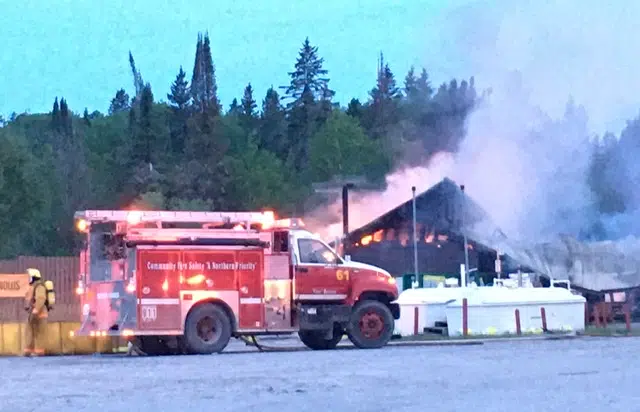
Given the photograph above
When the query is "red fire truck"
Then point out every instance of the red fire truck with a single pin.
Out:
(186, 282)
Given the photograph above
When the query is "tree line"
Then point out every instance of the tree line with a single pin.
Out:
(190, 152)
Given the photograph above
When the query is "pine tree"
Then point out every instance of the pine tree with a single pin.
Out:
(355, 109)
(273, 125)
(204, 88)
(120, 103)
(234, 108)
(385, 100)
(210, 83)
(65, 119)
(138, 83)
(179, 98)
(410, 84)
(197, 86)
(56, 124)
(85, 117)
(248, 102)
(308, 76)
(143, 145)
(310, 103)
(248, 117)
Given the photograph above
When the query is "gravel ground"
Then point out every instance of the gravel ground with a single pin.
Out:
(588, 374)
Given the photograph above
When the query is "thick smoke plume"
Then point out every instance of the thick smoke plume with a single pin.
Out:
(560, 75)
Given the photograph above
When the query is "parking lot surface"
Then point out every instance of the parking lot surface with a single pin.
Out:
(588, 374)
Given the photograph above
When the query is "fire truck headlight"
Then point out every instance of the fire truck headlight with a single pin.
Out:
(268, 219)
(82, 225)
(134, 217)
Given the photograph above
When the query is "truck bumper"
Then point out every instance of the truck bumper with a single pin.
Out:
(125, 333)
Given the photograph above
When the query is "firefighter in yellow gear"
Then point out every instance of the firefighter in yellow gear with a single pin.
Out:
(35, 305)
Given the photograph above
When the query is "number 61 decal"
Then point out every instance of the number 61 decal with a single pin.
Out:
(342, 274)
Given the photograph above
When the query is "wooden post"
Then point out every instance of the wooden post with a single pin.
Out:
(416, 312)
(465, 318)
(543, 316)
(586, 314)
(605, 313)
(627, 316)
(518, 328)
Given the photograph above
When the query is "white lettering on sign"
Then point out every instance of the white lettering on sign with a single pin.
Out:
(148, 313)
(231, 266)
(200, 266)
(170, 266)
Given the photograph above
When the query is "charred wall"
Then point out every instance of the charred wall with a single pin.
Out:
(438, 253)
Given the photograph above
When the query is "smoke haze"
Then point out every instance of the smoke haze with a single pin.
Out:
(560, 74)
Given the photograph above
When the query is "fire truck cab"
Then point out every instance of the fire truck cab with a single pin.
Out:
(186, 282)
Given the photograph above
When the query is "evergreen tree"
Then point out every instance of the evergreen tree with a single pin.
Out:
(355, 109)
(65, 119)
(234, 108)
(418, 90)
(204, 88)
(308, 77)
(138, 83)
(307, 87)
(210, 83)
(248, 102)
(179, 99)
(120, 103)
(197, 84)
(56, 123)
(273, 125)
(179, 96)
(248, 117)
(385, 102)
(85, 117)
(144, 141)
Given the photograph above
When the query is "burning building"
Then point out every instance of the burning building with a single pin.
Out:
(441, 213)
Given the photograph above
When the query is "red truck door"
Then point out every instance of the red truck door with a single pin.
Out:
(158, 288)
(251, 289)
(236, 273)
(318, 275)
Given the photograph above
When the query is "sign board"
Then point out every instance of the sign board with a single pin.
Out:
(14, 285)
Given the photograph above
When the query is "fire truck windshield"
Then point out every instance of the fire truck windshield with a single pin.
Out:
(314, 251)
(103, 247)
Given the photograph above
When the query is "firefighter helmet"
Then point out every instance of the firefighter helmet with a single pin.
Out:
(34, 274)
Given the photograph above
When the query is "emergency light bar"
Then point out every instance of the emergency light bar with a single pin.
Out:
(289, 223)
(135, 217)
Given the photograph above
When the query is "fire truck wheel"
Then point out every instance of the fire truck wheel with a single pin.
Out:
(371, 325)
(315, 340)
(207, 329)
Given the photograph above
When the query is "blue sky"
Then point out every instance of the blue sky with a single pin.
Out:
(78, 48)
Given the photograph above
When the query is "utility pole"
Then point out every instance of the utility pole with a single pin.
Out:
(415, 234)
(345, 207)
(464, 234)
(343, 185)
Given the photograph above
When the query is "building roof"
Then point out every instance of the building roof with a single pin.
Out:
(444, 208)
